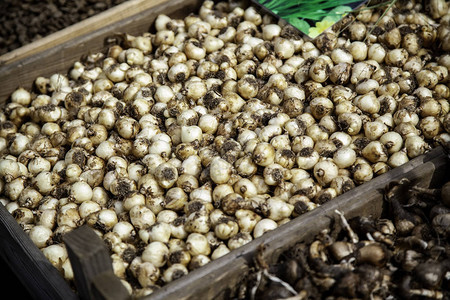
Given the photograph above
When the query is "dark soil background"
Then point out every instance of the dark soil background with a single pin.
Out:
(25, 21)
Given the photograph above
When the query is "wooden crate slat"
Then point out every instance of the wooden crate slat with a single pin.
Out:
(90, 261)
(104, 287)
(28, 263)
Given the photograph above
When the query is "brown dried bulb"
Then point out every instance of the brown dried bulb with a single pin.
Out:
(375, 254)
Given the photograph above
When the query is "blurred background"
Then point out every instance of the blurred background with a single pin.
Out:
(28, 20)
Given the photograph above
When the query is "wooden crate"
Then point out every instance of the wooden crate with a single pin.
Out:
(218, 279)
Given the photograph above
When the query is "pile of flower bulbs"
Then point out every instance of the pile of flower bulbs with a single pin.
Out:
(404, 254)
(181, 145)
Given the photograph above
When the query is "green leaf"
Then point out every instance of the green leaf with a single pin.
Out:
(340, 10)
(333, 19)
(301, 25)
(311, 6)
(313, 10)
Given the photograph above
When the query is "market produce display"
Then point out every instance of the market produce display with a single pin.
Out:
(30, 20)
(402, 255)
(181, 145)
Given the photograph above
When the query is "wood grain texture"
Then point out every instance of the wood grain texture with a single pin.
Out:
(63, 48)
(28, 263)
(91, 263)
(105, 287)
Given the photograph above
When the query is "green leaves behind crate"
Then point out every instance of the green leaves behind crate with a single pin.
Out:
(302, 13)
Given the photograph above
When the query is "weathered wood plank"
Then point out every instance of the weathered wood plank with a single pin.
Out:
(28, 263)
(90, 261)
(104, 287)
